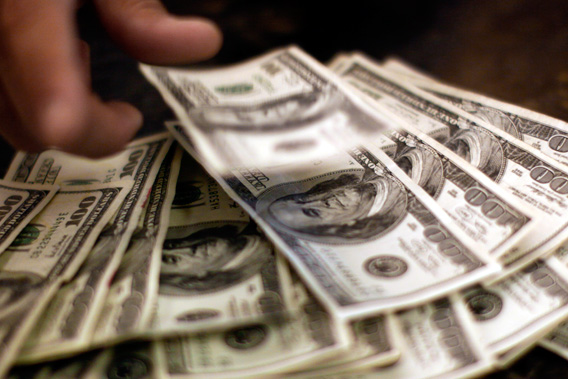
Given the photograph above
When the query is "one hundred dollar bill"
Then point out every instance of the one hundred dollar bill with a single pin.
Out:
(486, 212)
(520, 310)
(129, 360)
(438, 340)
(19, 204)
(69, 321)
(542, 132)
(372, 346)
(531, 176)
(48, 252)
(257, 350)
(218, 270)
(133, 293)
(279, 108)
(557, 340)
(320, 212)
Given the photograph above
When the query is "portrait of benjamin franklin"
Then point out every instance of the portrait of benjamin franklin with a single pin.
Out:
(493, 116)
(345, 209)
(18, 291)
(423, 166)
(481, 149)
(210, 259)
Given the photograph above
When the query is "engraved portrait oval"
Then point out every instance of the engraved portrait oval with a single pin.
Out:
(16, 292)
(340, 207)
(496, 118)
(484, 304)
(386, 266)
(424, 167)
(211, 256)
(246, 338)
(480, 148)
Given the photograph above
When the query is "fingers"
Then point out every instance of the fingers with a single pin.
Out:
(150, 34)
(43, 79)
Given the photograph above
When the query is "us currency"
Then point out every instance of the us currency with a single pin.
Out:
(544, 133)
(438, 340)
(134, 289)
(256, 350)
(482, 209)
(69, 321)
(521, 309)
(19, 204)
(281, 107)
(319, 212)
(135, 359)
(372, 346)
(218, 270)
(557, 340)
(47, 253)
(521, 170)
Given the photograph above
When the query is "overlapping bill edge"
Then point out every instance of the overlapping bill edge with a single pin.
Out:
(230, 252)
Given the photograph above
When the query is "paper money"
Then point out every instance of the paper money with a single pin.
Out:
(19, 204)
(69, 321)
(48, 252)
(133, 293)
(521, 309)
(542, 132)
(218, 270)
(281, 107)
(372, 346)
(408, 250)
(557, 340)
(523, 171)
(483, 210)
(134, 360)
(257, 350)
(438, 341)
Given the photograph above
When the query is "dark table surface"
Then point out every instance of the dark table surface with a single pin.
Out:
(514, 50)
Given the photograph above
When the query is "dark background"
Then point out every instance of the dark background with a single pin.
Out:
(513, 50)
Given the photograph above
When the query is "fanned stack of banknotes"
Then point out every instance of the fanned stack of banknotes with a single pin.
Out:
(360, 220)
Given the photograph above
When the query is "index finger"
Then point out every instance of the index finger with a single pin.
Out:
(148, 32)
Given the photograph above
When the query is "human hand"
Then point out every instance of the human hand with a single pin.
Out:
(45, 95)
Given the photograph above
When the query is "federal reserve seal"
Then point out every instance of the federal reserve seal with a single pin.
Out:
(484, 304)
(129, 366)
(246, 338)
(386, 266)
